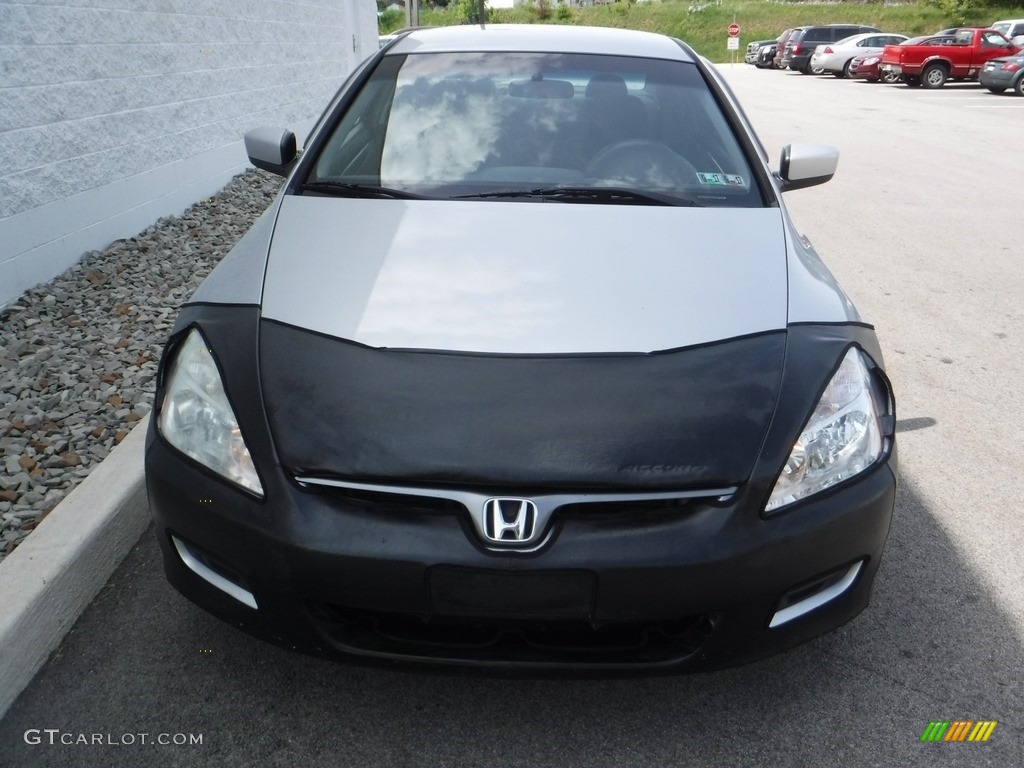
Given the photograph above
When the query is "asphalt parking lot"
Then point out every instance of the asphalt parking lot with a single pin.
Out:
(918, 227)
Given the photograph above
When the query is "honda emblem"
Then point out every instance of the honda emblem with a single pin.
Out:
(509, 521)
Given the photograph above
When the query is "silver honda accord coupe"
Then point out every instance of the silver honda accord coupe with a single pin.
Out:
(526, 368)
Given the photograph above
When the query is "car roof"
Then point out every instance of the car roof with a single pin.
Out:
(857, 36)
(541, 38)
(866, 27)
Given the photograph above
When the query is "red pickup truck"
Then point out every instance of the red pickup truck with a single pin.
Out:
(933, 61)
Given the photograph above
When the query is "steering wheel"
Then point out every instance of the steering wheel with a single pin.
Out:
(643, 162)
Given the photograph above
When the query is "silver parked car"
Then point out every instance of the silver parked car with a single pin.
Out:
(837, 57)
(526, 367)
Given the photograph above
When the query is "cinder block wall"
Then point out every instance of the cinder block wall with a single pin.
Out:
(116, 112)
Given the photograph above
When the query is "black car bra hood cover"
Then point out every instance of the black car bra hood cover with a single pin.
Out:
(679, 419)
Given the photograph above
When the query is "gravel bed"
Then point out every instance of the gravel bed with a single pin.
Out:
(78, 355)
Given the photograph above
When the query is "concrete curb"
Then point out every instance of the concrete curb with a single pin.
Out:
(55, 573)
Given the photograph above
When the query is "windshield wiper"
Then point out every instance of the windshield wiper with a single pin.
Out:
(347, 189)
(617, 195)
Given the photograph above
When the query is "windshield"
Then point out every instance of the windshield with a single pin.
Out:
(474, 125)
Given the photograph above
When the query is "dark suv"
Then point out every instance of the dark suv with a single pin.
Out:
(801, 44)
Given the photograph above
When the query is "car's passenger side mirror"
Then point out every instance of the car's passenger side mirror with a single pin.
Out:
(805, 165)
(272, 149)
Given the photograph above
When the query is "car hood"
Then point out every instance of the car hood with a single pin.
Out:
(525, 277)
(416, 343)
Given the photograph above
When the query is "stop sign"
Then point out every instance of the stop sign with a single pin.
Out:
(734, 30)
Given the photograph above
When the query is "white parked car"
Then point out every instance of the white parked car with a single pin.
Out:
(836, 57)
(1011, 28)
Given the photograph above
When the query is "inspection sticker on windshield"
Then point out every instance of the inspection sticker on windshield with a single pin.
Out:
(720, 179)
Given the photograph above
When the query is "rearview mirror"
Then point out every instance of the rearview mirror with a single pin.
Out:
(804, 165)
(272, 149)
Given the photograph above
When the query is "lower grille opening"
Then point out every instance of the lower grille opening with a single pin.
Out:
(527, 642)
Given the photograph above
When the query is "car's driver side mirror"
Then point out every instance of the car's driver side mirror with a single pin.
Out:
(272, 149)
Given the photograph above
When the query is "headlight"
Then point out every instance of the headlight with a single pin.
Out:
(872, 60)
(197, 419)
(842, 438)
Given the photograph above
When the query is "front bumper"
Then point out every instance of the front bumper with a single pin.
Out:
(686, 584)
(866, 72)
(672, 589)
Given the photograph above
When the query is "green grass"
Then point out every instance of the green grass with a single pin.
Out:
(705, 29)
